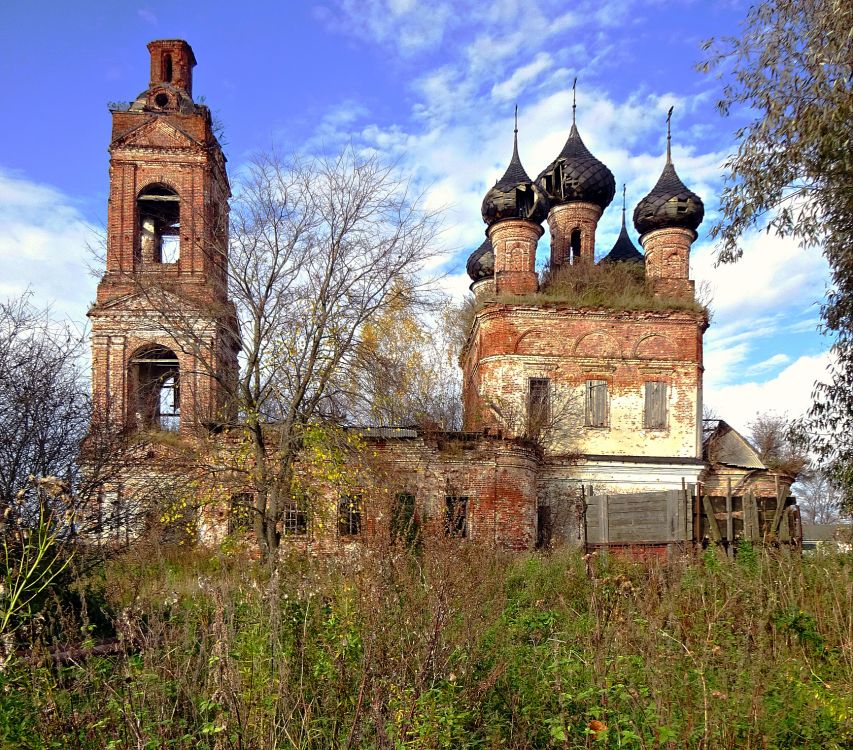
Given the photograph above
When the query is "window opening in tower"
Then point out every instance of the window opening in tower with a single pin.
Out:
(158, 394)
(159, 212)
(575, 246)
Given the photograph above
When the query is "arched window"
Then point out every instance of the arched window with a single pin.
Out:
(155, 373)
(167, 68)
(159, 212)
(575, 246)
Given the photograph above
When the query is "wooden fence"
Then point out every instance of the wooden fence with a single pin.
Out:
(670, 518)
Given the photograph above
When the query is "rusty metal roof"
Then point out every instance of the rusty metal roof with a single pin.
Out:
(725, 445)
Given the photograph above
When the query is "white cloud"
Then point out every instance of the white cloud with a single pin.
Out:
(407, 25)
(788, 394)
(772, 273)
(771, 363)
(512, 87)
(774, 290)
(44, 247)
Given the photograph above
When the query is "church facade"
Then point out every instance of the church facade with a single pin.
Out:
(564, 393)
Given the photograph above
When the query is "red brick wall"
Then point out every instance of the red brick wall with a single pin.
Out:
(514, 242)
(668, 261)
(512, 343)
(144, 302)
(498, 477)
(563, 220)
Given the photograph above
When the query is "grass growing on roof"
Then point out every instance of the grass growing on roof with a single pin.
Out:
(615, 286)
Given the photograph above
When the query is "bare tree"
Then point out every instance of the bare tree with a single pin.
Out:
(319, 249)
(771, 436)
(55, 460)
(44, 403)
(819, 497)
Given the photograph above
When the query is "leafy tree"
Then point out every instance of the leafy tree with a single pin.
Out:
(409, 373)
(790, 73)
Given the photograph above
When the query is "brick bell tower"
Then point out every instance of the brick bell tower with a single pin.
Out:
(164, 336)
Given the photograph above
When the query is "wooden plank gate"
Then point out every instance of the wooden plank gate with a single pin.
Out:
(658, 522)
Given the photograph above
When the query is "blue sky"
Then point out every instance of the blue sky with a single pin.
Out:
(432, 86)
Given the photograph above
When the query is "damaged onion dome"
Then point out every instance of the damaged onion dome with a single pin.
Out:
(669, 205)
(481, 263)
(514, 196)
(576, 175)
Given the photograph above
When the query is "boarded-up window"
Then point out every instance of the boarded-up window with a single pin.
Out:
(456, 516)
(596, 403)
(538, 404)
(349, 515)
(654, 417)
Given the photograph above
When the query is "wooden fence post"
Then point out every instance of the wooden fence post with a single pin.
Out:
(604, 520)
(750, 517)
(713, 526)
(730, 524)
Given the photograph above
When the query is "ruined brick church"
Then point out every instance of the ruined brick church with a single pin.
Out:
(559, 398)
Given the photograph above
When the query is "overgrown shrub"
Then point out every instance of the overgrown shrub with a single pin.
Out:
(614, 286)
(454, 646)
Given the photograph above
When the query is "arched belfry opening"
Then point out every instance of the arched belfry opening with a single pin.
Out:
(156, 381)
(167, 68)
(159, 219)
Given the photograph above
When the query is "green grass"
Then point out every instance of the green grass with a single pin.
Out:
(457, 647)
(613, 286)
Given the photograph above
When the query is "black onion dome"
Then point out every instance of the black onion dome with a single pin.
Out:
(514, 196)
(481, 263)
(669, 204)
(624, 250)
(576, 175)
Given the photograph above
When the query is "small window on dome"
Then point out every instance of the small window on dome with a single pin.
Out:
(524, 202)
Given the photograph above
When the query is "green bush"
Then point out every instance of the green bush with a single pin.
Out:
(453, 646)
